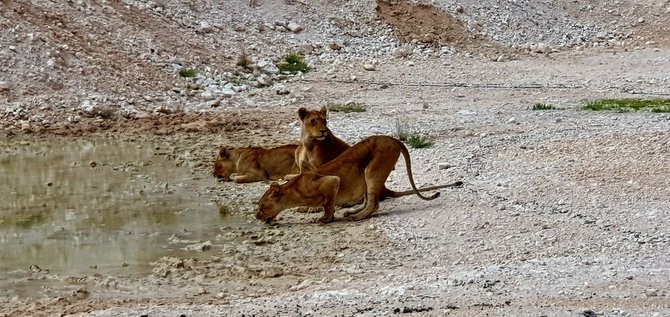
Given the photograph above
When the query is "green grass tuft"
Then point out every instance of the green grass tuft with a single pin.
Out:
(293, 63)
(413, 140)
(418, 141)
(629, 104)
(187, 72)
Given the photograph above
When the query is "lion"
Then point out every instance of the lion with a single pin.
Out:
(253, 164)
(318, 145)
(356, 175)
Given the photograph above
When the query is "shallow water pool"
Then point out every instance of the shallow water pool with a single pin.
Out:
(71, 207)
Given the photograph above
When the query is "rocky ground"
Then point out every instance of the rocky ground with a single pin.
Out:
(563, 212)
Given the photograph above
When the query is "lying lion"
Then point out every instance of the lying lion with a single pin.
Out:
(318, 145)
(253, 164)
(357, 174)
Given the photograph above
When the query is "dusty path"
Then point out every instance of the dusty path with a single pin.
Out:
(563, 211)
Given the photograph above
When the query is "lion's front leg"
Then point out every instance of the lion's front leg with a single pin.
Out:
(248, 178)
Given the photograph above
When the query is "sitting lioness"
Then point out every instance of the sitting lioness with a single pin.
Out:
(357, 174)
(252, 164)
(318, 145)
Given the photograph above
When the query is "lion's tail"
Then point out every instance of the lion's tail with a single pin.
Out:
(395, 194)
(414, 190)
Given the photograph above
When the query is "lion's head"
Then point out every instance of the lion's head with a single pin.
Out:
(269, 206)
(224, 166)
(314, 122)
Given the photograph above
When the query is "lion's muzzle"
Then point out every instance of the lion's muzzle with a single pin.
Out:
(262, 217)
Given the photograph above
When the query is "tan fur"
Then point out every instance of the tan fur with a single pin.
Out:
(318, 145)
(252, 164)
(358, 173)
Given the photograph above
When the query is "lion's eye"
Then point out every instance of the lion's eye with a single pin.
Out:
(313, 121)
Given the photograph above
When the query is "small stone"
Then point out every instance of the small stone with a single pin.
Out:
(588, 313)
(335, 46)
(205, 27)
(640, 20)
(282, 90)
(542, 48)
(460, 9)
(4, 87)
(305, 49)
(652, 292)
(511, 120)
(267, 66)
(227, 92)
(304, 284)
(444, 166)
(92, 164)
(369, 67)
(294, 27)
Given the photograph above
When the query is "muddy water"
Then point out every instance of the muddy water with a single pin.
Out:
(86, 207)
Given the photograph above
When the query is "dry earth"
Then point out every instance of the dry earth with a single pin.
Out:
(563, 212)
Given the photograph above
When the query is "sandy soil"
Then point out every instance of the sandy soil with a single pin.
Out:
(563, 212)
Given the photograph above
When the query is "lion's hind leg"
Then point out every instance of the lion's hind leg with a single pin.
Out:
(328, 186)
(371, 205)
(354, 210)
(375, 176)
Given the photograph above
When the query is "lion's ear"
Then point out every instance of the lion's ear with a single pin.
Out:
(302, 113)
(324, 111)
(223, 152)
(275, 190)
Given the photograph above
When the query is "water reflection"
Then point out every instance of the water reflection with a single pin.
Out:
(70, 206)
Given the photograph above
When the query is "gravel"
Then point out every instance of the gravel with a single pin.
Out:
(563, 212)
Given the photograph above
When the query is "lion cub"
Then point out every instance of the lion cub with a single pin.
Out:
(318, 145)
(253, 164)
(357, 174)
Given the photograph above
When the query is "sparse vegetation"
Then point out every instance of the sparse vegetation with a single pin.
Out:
(419, 141)
(293, 63)
(347, 107)
(243, 60)
(544, 106)
(629, 104)
(413, 139)
(187, 72)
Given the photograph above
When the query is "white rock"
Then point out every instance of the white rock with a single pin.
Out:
(205, 27)
(88, 106)
(511, 120)
(294, 27)
(227, 92)
(304, 284)
(208, 94)
(369, 67)
(542, 48)
(204, 246)
(282, 90)
(267, 66)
